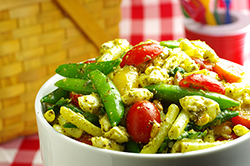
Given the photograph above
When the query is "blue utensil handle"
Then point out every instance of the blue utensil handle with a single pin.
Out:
(228, 18)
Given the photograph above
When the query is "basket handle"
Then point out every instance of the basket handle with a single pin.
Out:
(85, 21)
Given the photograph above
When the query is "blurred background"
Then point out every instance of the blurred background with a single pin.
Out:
(38, 35)
(161, 19)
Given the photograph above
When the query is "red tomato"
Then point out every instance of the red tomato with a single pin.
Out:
(243, 119)
(74, 98)
(204, 64)
(139, 120)
(200, 81)
(85, 138)
(232, 137)
(141, 53)
(229, 71)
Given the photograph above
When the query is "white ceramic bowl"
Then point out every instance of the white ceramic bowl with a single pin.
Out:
(60, 150)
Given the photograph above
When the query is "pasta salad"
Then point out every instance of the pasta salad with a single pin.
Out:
(154, 97)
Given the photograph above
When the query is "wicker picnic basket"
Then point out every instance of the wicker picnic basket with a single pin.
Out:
(35, 37)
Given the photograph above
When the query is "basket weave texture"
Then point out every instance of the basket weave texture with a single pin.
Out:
(35, 37)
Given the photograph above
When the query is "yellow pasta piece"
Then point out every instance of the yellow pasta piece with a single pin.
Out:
(80, 121)
(60, 129)
(179, 125)
(73, 132)
(192, 146)
(155, 142)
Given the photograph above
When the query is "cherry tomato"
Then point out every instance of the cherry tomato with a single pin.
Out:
(74, 98)
(140, 120)
(243, 119)
(141, 53)
(85, 138)
(200, 81)
(204, 64)
(229, 71)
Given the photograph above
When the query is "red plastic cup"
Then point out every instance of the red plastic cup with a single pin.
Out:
(228, 40)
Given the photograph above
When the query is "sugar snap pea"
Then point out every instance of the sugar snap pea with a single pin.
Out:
(81, 70)
(109, 95)
(173, 93)
(170, 43)
(55, 95)
(82, 86)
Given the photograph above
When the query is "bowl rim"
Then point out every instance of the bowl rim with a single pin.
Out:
(49, 84)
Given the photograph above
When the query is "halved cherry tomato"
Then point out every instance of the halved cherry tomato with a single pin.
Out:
(74, 98)
(140, 120)
(141, 53)
(204, 64)
(229, 71)
(232, 136)
(85, 138)
(243, 119)
(200, 81)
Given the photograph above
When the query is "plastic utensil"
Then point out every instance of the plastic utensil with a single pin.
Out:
(184, 12)
(194, 9)
(209, 16)
(228, 18)
(216, 15)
